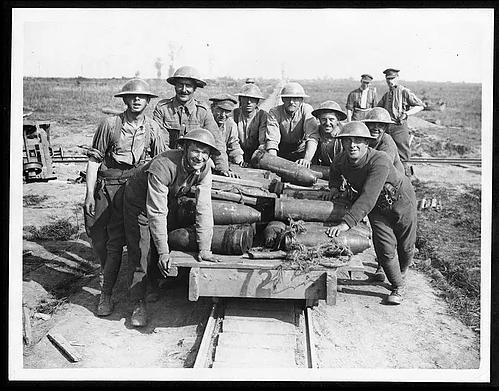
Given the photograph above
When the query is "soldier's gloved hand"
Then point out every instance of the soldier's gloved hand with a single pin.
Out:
(332, 232)
(303, 162)
(164, 264)
(333, 194)
(205, 255)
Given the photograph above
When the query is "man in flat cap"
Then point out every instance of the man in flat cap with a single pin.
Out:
(181, 113)
(361, 100)
(400, 102)
(222, 108)
(292, 130)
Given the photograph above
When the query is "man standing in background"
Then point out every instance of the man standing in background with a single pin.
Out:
(400, 102)
(361, 100)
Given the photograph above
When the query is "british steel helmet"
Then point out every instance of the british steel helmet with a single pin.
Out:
(202, 136)
(251, 91)
(136, 86)
(186, 72)
(355, 129)
(293, 90)
(330, 106)
(378, 114)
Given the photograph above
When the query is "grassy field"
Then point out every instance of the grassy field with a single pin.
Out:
(448, 240)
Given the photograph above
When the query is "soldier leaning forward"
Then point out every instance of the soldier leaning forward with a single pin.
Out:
(382, 193)
(119, 146)
(150, 212)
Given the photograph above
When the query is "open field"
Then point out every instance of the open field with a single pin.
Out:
(448, 239)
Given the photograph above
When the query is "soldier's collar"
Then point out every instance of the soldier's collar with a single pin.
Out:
(189, 105)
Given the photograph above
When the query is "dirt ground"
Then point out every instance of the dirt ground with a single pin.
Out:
(359, 333)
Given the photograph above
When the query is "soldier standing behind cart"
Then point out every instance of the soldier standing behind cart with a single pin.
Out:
(292, 130)
(385, 195)
(329, 114)
(361, 100)
(251, 120)
(400, 102)
(182, 113)
(150, 212)
(222, 107)
(119, 147)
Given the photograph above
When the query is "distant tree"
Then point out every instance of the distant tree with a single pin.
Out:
(174, 52)
(158, 64)
(137, 73)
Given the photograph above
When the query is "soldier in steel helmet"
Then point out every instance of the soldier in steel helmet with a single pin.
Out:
(222, 107)
(329, 115)
(292, 130)
(181, 113)
(150, 211)
(119, 147)
(400, 102)
(382, 193)
(362, 99)
(251, 120)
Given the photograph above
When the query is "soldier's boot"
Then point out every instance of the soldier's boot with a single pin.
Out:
(139, 314)
(154, 293)
(105, 306)
(379, 274)
(397, 295)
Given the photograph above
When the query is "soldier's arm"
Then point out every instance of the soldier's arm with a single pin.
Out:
(273, 133)
(159, 118)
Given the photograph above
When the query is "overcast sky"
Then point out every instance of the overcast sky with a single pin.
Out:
(425, 44)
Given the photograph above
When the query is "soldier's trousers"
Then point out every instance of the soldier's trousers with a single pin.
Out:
(400, 134)
(394, 234)
(106, 230)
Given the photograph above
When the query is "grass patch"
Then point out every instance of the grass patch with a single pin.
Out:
(61, 229)
(33, 200)
(449, 243)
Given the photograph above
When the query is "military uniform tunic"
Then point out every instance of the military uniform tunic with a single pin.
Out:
(251, 130)
(288, 133)
(176, 119)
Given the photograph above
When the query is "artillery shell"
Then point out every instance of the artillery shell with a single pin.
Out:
(309, 210)
(224, 212)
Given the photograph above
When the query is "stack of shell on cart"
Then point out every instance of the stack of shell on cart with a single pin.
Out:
(274, 210)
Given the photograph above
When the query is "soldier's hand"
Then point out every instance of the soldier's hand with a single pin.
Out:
(164, 264)
(89, 206)
(332, 195)
(332, 232)
(208, 256)
(303, 162)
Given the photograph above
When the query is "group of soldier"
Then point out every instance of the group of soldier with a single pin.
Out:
(133, 202)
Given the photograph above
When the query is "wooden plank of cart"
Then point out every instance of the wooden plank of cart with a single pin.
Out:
(238, 276)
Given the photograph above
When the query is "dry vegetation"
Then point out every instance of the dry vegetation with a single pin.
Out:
(448, 240)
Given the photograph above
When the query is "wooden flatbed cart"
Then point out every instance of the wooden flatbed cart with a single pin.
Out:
(242, 277)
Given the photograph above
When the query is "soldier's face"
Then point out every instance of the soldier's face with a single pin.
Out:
(136, 103)
(364, 85)
(392, 82)
(247, 104)
(184, 89)
(376, 129)
(328, 122)
(197, 154)
(220, 115)
(292, 104)
(356, 147)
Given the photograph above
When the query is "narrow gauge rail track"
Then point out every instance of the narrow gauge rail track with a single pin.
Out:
(249, 333)
(415, 160)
